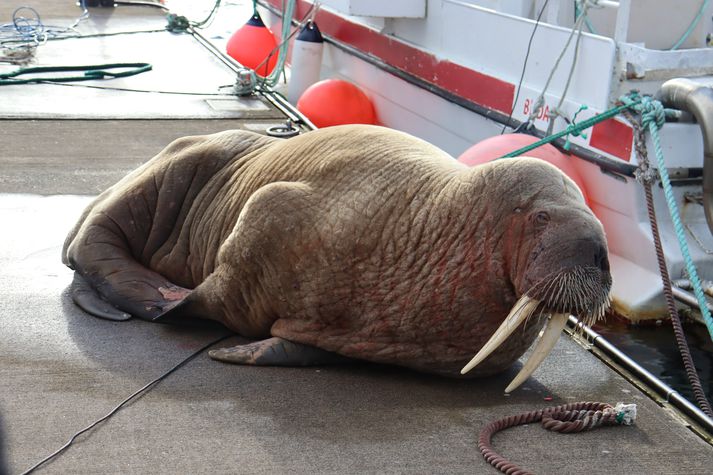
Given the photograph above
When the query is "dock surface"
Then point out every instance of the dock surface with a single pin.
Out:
(61, 369)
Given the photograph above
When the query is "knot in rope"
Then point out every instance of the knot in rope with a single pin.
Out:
(652, 112)
(653, 116)
(574, 129)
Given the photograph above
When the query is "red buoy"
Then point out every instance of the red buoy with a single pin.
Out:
(336, 102)
(251, 45)
(495, 147)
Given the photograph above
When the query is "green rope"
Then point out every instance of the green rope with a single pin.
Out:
(587, 22)
(574, 129)
(692, 26)
(653, 117)
(274, 77)
(252, 80)
(91, 72)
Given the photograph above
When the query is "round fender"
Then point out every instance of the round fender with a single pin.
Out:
(336, 102)
(495, 147)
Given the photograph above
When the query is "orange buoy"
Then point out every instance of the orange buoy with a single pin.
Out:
(495, 147)
(336, 102)
(251, 45)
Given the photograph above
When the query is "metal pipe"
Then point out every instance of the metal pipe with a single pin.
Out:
(686, 284)
(687, 298)
(671, 396)
(276, 99)
(697, 99)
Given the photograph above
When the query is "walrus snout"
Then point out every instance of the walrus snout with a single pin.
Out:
(562, 278)
(571, 276)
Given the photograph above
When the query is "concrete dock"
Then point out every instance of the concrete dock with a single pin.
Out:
(61, 369)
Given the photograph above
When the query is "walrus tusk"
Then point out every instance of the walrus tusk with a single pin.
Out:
(522, 309)
(548, 337)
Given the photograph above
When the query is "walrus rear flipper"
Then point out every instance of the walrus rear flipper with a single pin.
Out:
(88, 300)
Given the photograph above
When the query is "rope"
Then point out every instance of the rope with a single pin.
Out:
(585, 5)
(568, 418)
(590, 27)
(652, 118)
(575, 128)
(248, 79)
(647, 176)
(524, 68)
(91, 72)
(578, 26)
(692, 26)
(20, 38)
(288, 11)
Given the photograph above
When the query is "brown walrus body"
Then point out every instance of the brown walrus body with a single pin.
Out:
(357, 240)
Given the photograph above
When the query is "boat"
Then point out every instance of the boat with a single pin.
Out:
(457, 73)
(63, 145)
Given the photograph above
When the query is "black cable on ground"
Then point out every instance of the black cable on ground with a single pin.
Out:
(149, 91)
(135, 395)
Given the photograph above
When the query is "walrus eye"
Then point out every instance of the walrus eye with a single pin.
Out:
(541, 218)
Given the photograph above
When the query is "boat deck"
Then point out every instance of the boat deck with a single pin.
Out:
(61, 369)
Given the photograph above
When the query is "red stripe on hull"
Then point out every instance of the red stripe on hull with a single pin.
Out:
(613, 137)
(479, 88)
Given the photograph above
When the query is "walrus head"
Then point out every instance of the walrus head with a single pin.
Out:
(558, 261)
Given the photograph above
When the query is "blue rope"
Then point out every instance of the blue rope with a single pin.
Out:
(692, 26)
(653, 117)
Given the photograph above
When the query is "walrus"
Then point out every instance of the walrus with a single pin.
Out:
(346, 242)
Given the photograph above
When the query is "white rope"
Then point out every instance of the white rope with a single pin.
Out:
(584, 6)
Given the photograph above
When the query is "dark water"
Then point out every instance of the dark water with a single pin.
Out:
(654, 347)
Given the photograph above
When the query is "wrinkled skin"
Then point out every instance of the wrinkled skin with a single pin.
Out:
(358, 240)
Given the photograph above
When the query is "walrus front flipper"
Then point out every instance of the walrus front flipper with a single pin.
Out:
(88, 300)
(187, 312)
(276, 352)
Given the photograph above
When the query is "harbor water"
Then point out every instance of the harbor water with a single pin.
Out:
(654, 348)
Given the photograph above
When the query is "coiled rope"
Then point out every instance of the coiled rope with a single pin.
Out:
(89, 73)
(20, 38)
(568, 418)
